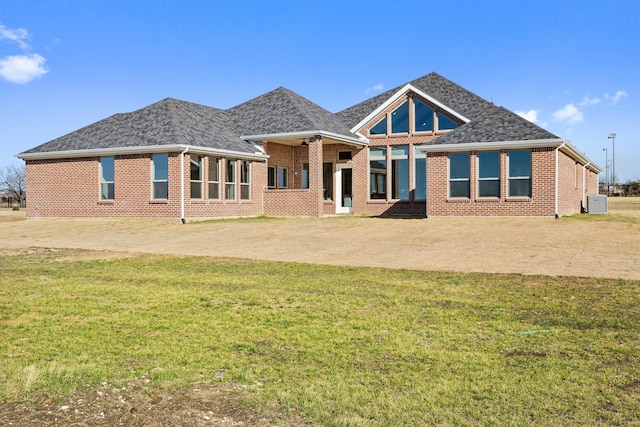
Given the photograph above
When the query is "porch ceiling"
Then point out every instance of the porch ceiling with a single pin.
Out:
(295, 139)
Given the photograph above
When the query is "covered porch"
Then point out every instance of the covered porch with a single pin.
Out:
(310, 173)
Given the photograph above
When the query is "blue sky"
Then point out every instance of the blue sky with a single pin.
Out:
(572, 67)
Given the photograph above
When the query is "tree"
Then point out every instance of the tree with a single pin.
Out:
(13, 180)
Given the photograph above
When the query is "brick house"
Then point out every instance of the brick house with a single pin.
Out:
(428, 148)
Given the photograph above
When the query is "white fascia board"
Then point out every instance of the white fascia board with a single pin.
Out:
(404, 90)
(488, 146)
(123, 151)
(565, 146)
(306, 134)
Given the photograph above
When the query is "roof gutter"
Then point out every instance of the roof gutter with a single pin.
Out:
(119, 151)
(557, 143)
(306, 134)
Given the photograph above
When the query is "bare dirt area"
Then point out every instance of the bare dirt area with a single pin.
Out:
(565, 247)
(132, 405)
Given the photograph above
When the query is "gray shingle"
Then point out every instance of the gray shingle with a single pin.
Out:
(174, 122)
(167, 122)
(488, 123)
(284, 111)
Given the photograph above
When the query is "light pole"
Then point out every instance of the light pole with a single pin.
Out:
(612, 137)
(606, 168)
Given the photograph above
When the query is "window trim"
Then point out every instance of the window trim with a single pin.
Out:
(304, 179)
(154, 180)
(272, 177)
(284, 176)
(419, 155)
(109, 183)
(518, 177)
(487, 179)
(394, 164)
(467, 179)
(380, 178)
(245, 180)
(214, 161)
(198, 162)
(230, 180)
(392, 113)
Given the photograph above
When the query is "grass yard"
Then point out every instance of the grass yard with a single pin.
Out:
(329, 345)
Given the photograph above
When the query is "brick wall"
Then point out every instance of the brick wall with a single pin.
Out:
(541, 202)
(71, 188)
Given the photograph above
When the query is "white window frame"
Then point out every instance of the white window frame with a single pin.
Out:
(214, 166)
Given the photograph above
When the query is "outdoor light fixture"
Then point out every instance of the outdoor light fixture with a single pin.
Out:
(304, 143)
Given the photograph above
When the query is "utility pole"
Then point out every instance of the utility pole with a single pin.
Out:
(606, 168)
(612, 137)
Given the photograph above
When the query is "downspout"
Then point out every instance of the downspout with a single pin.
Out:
(557, 178)
(426, 185)
(182, 185)
(584, 186)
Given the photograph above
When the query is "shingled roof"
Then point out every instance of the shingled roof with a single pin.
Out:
(488, 122)
(284, 111)
(168, 122)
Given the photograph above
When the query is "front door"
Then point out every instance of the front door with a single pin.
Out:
(344, 189)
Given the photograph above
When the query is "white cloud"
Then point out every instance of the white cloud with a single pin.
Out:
(375, 88)
(570, 113)
(22, 68)
(589, 101)
(18, 35)
(531, 115)
(617, 97)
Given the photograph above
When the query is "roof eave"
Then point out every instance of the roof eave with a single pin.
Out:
(563, 144)
(123, 151)
(361, 141)
(393, 98)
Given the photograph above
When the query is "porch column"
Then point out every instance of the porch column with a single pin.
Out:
(315, 174)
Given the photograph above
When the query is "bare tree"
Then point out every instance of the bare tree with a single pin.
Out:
(13, 180)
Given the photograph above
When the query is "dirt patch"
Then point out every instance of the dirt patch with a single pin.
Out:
(564, 247)
(133, 405)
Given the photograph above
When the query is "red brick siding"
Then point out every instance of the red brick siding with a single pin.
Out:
(71, 188)
(541, 203)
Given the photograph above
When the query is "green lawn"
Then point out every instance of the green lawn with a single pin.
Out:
(341, 346)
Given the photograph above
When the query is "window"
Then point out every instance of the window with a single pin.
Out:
(423, 117)
(445, 123)
(245, 180)
(379, 128)
(400, 172)
(305, 175)
(459, 175)
(400, 119)
(378, 172)
(327, 180)
(344, 155)
(420, 192)
(230, 182)
(489, 174)
(196, 177)
(214, 178)
(106, 178)
(282, 177)
(160, 176)
(520, 173)
(271, 177)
